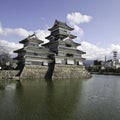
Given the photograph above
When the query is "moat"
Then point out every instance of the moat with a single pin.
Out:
(97, 98)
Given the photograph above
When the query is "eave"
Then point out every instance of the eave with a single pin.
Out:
(58, 24)
(19, 50)
(62, 35)
(82, 52)
(36, 40)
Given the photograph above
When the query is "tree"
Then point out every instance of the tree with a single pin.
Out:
(6, 62)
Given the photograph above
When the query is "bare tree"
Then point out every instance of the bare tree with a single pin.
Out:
(6, 62)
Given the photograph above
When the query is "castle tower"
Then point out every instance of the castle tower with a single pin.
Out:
(62, 45)
(32, 55)
(66, 54)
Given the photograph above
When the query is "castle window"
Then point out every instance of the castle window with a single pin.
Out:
(63, 31)
(68, 45)
(69, 55)
(36, 54)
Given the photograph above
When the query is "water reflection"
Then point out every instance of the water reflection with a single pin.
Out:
(95, 99)
(61, 100)
(2, 87)
(42, 100)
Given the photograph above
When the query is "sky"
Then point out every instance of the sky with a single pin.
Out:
(96, 23)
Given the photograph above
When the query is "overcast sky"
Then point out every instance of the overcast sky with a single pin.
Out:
(96, 23)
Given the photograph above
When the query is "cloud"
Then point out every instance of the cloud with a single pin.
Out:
(23, 32)
(6, 46)
(0, 27)
(78, 31)
(78, 18)
(75, 20)
(41, 34)
(95, 52)
(11, 31)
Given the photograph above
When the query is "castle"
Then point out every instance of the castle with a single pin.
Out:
(59, 58)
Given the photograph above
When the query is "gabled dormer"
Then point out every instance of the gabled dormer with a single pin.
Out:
(60, 28)
(31, 41)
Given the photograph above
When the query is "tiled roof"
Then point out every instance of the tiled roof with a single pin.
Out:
(60, 24)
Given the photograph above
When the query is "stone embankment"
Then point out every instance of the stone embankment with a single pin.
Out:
(70, 72)
(38, 72)
(33, 72)
(8, 74)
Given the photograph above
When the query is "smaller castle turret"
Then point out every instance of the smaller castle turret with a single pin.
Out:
(31, 55)
(32, 52)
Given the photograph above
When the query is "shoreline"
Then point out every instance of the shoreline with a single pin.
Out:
(106, 73)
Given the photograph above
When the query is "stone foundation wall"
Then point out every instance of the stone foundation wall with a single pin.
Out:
(70, 72)
(33, 72)
(8, 74)
(38, 72)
